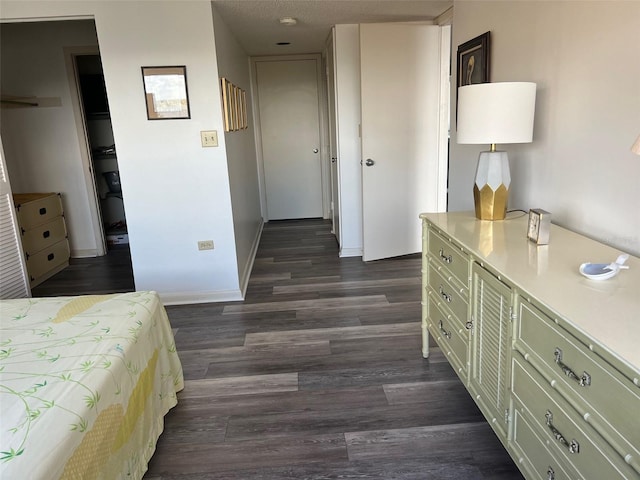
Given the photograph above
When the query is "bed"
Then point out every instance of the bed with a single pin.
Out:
(84, 385)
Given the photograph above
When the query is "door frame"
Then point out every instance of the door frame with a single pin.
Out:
(88, 170)
(323, 134)
(328, 60)
(444, 136)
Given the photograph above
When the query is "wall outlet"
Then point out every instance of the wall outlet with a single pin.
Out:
(205, 245)
(209, 138)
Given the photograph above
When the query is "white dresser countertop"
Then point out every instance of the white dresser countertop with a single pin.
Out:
(607, 311)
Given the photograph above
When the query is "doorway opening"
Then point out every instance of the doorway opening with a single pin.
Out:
(293, 173)
(47, 146)
(102, 153)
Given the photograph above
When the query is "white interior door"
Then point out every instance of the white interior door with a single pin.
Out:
(290, 136)
(13, 270)
(400, 89)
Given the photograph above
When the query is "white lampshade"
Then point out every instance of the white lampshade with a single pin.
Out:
(491, 113)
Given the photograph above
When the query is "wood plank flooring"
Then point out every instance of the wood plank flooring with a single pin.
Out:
(318, 374)
(97, 275)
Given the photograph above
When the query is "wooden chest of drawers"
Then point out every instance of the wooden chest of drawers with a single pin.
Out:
(43, 234)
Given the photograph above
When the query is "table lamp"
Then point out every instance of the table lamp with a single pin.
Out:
(492, 113)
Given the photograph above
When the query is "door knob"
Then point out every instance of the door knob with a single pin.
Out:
(315, 150)
(333, 159)
(368, 162)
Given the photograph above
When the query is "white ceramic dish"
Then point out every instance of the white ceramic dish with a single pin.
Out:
(603, 271)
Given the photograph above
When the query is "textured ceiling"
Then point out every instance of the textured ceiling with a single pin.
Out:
(256, 26)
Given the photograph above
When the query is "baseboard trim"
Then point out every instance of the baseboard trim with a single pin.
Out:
(86, 253)
(187, 298)
(350, 252)
(244, 279)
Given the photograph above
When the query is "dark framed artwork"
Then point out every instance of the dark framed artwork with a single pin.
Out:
(165, 91)
(473, 61)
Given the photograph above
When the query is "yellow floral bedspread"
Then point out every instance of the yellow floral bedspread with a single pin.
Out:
(84, 385)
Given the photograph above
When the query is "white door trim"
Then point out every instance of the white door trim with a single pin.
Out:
(444, 114)
(328, 58)
(325, 151)
(322, 106)
(83, 142)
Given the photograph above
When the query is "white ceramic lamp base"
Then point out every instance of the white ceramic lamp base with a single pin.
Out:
(491, 189)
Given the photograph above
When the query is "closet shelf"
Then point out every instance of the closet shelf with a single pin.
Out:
(23, 103)
(16, 101)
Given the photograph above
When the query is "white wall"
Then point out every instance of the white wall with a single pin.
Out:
(347, 81)
(176, 192)
(233, 64)
(41, 144)
(584, 58)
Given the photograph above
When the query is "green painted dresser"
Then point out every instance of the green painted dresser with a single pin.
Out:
(551, 358)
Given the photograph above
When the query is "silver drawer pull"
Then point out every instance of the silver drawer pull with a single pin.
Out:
(445, 295)
(445, 258)
(443, 331)
(573, 446)
(583, 381)
(551, 475)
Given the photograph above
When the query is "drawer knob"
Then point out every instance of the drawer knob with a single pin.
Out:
(573, 446)
(551, 475)
(445, 258)
(445, 295)
(584, 380)
(443, 331)
(42, 211)
(46, 234)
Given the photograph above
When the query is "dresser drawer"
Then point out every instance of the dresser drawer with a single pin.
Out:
(37, 208)
(567, 435)
(531, 452)
(450, 256)
(47, 260)
(452, 339)
(43, 236)
(609, 401)
(448, 294)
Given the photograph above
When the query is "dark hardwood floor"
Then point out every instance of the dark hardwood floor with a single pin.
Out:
(98, 275)
(318, 374)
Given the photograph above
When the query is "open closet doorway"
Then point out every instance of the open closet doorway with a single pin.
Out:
(102, 149)
(47, 148)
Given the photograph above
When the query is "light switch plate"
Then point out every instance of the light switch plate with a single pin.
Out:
(209, 138)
